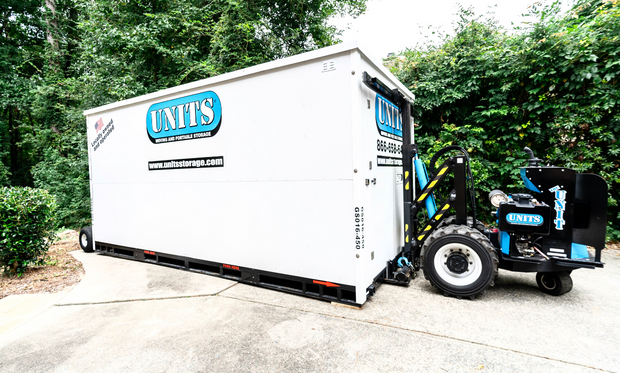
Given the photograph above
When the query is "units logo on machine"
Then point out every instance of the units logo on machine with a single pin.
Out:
(186, 118)
(560, 207)
(388, 118)
(532, 220)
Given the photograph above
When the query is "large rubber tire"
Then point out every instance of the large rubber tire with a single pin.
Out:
(86, 239)
(451, 220)
(459, 261)
(554, 283)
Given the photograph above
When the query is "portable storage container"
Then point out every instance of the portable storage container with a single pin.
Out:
(286, 175)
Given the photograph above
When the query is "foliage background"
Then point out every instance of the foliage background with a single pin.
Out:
(551, 86)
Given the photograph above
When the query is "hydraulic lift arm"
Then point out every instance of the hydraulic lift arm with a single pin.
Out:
(455, 199)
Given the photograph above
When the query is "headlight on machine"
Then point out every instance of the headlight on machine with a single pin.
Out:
(497, 196)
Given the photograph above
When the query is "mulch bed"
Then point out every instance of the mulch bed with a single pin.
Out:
(60, 271)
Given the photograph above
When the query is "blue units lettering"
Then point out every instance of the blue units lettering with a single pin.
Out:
(560, 207)
(185, 118)
(388, 118)
(524, 219)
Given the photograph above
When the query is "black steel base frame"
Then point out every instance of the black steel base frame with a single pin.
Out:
(323, 290)
(541, 265)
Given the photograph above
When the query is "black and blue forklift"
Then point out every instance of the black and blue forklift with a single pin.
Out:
(555, 226)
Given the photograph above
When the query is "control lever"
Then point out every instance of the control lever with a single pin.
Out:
(534, 162)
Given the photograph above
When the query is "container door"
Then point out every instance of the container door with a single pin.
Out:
(382, 151)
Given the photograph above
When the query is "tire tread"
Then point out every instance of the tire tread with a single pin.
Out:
(463, 231)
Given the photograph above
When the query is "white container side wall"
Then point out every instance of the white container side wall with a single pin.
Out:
(284, 200)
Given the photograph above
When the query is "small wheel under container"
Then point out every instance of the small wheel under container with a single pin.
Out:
(86, 239)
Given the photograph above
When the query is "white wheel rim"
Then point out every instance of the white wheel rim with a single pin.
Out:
(542, 281)
(474, 268)
(84, 240)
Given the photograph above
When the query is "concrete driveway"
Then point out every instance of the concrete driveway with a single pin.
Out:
(128, 316)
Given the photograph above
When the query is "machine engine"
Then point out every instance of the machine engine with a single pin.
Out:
(568, 213)
(527, 220)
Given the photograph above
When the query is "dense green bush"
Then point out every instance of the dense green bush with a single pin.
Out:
(552, 86)
(27, 230)
(66, 178)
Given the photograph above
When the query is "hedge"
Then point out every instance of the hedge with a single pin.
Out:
(27, 230)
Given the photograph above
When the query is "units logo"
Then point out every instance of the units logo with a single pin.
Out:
(532, 220)
(186, 118)
(560, 207)
(388, 118)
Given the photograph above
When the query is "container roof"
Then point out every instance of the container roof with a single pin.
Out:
(302, 57)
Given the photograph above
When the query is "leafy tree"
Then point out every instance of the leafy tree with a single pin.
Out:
(58, 132)
(21, 51)
(132, 48)
(552, 86)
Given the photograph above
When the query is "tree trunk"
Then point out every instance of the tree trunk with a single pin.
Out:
(52, 24)
(13, 145)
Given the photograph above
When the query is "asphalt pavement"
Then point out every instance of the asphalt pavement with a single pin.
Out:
(128, 316)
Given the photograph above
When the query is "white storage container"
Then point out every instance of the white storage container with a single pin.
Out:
(286, 174)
